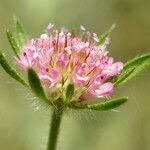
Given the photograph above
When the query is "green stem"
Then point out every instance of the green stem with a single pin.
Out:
(54, 129)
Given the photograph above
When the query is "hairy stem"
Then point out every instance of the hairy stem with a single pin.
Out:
(54, 129)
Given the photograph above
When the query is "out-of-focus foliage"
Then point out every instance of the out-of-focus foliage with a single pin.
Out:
(25, 129)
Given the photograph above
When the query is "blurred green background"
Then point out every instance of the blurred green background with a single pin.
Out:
(23, 127)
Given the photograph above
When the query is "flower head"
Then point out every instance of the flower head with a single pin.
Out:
(61, 57)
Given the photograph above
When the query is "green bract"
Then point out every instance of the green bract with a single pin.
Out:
(103, 106)
(132, 68)
(106, 34)
(35, 84)
(13, 43)
(69, 92)
(19, 32)
(11, 71)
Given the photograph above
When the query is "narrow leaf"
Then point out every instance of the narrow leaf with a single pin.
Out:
(13, 43)
(35, 84)
(123, 78)
(132, 68)
(69, 92)
(143, 59)
(110, 104)
(11, 71)
(19, 32)
(103, 36)
(103, 106)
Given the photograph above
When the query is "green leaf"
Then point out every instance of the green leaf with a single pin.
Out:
(13, 42)
(132, 68)
(69, 92)
(110, 104)
(103, 106)
(19, 32)
(11, 71)
(103, 36)
(35, 84)
(123, 78)
(143, 59)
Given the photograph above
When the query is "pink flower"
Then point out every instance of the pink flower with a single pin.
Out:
(60, 57)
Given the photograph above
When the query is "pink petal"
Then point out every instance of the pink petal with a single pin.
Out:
(102, 90)
(113, 69)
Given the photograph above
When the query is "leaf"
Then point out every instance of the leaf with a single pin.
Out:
(35, 84)
(19, 32)
(69, 92)
(110, 104)
(103, 106)
(11, 71)
(103, 36)
(132, 68)
(138, 61)
(13, 42)
(124, 76)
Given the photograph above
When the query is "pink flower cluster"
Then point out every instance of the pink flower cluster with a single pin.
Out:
(61, 57)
